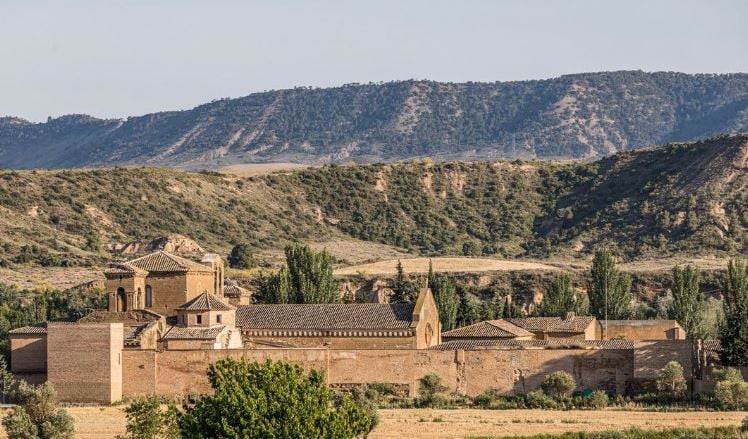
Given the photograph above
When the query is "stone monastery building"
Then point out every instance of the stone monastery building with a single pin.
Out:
(170, 317)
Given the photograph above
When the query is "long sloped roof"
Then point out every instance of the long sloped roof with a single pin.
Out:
(488, 329)
(553, 324)
(193, 333)
(326, 316)
(206, 302)
(532, 344)
(161, 261)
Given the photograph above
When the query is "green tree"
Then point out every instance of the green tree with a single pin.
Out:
(734, 330)
(403, 289)
(468, 311)
(271, 400)
(307, 278)
(558, 384)
(560, 299)
(36, 416)
(447, 301)
(511, 310)
(730, 389)
(688, 302)
(241, 256)
(609, 290)
(147, 420)
(671, 379)
(6, 381)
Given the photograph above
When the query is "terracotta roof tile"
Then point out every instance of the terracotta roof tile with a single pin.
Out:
(488, 329)
(532, 344)
(162, 261)
(326, 316)
(123, 269)
(206, 302)
(235, 291)
(553, 324)
(193, 333)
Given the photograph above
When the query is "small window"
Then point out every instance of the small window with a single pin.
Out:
(218, 318)
(148, 296)
(199, 319)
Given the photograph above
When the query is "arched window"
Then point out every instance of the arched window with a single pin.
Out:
(148, 296)
(121, 300)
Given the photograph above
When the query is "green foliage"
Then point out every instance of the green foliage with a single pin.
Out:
(431, 391)
(540, 400)
(560, 299)
(146, 420)
(6, 381)
(36, 416)
(404, 290)
(598, 400)
(241, 256)
(271, 400)
(734, 331)
(447, 301)
(688, 302)
(307, 278)
(671, 379)
(609, 290)
(558, 384)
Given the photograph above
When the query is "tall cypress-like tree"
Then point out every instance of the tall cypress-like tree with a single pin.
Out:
(609, 289)
(403, 289)
(307, 278)
(560, 299)
(734, 330)
(447, 301)
(688, 302)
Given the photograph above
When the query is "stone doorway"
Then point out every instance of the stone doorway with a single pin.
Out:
(121, 300)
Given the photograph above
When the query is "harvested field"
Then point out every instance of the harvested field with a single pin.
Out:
(421, 265)
(250, 169)
(107, 422)
(445, 424)
(54, 277)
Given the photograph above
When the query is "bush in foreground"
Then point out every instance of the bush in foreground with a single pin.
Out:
(271, 400)
(147, 420)
(558, 384)
(671, 379)
(37, 415)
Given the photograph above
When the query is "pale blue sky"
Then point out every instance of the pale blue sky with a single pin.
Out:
(120, 58)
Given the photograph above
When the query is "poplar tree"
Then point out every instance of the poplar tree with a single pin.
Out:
(734, 330)
(403, 290)
(609, 289)
(560, 299)
(307, 278)
(447, 301)
(688, 302)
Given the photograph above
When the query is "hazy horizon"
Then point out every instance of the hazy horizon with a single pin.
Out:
(114, 60)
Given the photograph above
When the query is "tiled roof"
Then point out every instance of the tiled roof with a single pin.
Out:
(193, 333)
(532, 344)
(162, 261)
(553, 324)
(132, 333)
(326, 316)
(235, 291)
(39, 328)
(206, 302)
(712, 345)
(123, 269)
(488, 329)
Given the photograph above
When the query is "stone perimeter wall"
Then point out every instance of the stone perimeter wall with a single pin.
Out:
(171, 373)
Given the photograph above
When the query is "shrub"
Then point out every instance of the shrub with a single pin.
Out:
(241, 256)
(598, 400)
(431, 389)
(558, 384)
(271, 399)
(671, 379)
(486, 399)
(539, 400)
(37, 415)
(146, 420)
(731, 394)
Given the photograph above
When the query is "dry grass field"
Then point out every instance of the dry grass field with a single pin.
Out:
(421, 265)
(251, 169)
(107, 422)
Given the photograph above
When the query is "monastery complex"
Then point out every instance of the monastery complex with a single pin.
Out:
(170, 317)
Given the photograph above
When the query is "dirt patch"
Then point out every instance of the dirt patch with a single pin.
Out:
(250, 169)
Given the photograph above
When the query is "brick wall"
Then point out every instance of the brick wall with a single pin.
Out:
(84, 361)
(465, 372)
(28, 353)
(650, 357)
(641, 330)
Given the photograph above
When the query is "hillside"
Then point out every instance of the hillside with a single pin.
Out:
(680, 199)
(575, 116)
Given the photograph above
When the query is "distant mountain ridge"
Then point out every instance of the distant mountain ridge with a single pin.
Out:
(578, 116)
